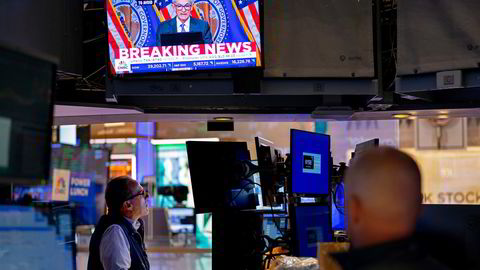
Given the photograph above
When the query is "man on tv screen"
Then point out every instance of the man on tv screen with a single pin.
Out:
(183, 22)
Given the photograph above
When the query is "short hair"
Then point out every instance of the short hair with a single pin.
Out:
(175, 1)
(117, 192)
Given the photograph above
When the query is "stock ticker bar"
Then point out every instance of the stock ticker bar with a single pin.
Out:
(186, 57)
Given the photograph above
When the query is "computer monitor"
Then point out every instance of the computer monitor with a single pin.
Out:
(338, 208)
(175, 39)
(37, 238)
(275, 226)
(181, 220)
(451, 234)
(310, 154)
(310, 225)
(215, 171)
(363, 146)
(26, 110)
(267, 162)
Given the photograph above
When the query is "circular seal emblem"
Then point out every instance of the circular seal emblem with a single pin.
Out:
(133, 19)
(213, 12)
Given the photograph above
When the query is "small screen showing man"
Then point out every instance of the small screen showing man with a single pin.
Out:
(176, 35)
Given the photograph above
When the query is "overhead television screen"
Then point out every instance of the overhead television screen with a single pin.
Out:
(151, 36)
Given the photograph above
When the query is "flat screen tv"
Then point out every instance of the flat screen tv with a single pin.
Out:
(158, 36)
(26, 111)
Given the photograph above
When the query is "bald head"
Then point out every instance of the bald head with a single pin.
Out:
(383, 196)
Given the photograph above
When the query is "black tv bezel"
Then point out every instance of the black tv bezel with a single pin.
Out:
(208, 72)
(53, 62)
(290, 183)
(263, 174)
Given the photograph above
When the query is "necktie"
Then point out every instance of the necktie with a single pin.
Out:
(183, 27)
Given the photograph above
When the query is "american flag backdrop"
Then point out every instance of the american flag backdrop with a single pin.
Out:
(248, 13)
(117, 36)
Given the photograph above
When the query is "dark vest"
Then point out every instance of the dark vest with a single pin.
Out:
(135, 238)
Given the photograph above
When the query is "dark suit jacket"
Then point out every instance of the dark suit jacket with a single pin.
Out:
(196, 25)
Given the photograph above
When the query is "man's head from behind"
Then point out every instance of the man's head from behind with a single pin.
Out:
(383, 196)
(183, 9)
(124, 196)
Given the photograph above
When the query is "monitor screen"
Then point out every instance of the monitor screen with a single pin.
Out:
(338, 208)
(37, 239)
(361, 147)
(68, 134)
(310, 162)
(181, 220)
(180, 35)
(266, 162)
(275, 225)
(215, 176)
(311, 225)
(26, 107)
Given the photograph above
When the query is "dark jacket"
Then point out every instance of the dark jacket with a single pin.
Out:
(196, 25)
(138, 255)
(396, 255)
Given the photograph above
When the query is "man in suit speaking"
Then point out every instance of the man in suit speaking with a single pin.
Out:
(184, 23)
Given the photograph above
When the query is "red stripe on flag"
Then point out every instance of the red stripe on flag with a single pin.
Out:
(256, 19)
(112, 69)
(195, 14)
(165, 13)
(117, 24)
(114, 47)
(113, 43)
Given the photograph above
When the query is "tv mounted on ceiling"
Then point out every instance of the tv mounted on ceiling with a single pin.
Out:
(164, 36)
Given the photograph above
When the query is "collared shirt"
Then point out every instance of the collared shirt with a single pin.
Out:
(179, 25)
(114, 247)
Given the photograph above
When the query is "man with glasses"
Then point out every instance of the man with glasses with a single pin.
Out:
(183, 22)
(118, 240)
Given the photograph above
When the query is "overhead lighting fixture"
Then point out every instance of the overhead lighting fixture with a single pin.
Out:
(443, 112)
(401, 115)
(412, 117)
(118, 124)
(442, 116)
(223, 118)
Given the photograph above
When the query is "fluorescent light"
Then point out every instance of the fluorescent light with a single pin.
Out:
(442, 116)
(113, 140)
(182, 141)
(401, 115)
(412, 117)
(118, 124)
(223, 118)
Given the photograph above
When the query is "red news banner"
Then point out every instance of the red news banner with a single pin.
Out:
(186, 57)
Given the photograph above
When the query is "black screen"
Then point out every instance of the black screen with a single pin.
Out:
(266, 161)
(215, 181)
(25, 116)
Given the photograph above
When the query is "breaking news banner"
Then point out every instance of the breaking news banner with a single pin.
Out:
(173, 35)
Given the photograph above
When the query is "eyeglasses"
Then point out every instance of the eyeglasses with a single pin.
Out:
(185, 7)
(142, 192)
